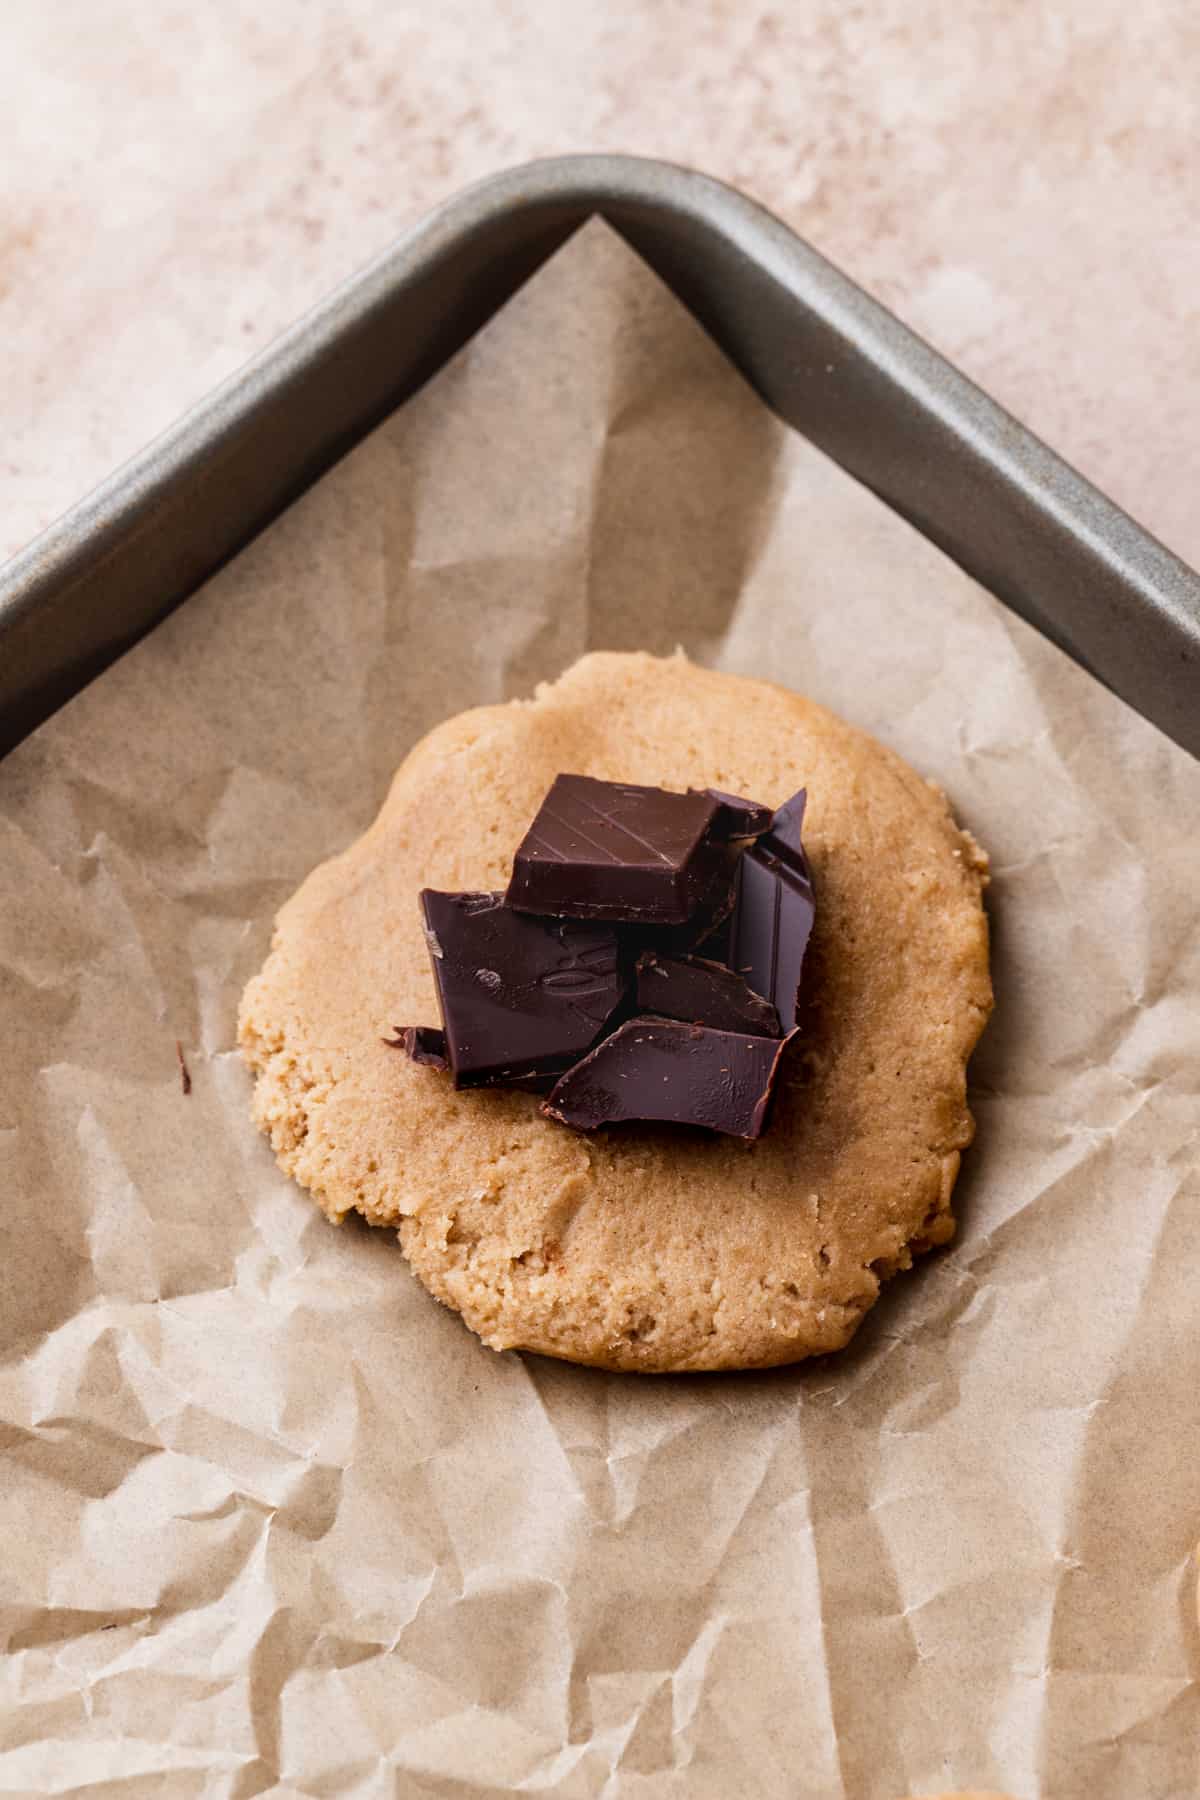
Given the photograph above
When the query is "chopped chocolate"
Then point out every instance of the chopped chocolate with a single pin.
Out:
(706, 993)
(610, 850)
(424, 1043)
(774, 911)
(522, 997)
(536, 986)
(185, 1074)
(666, 1070)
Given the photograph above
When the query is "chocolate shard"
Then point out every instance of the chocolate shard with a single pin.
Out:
(739, 818)
(788, 824)
(612, 850)
(522, 998)
(663, 1069)
(774, 911)
(424, 1043)
(706, 993)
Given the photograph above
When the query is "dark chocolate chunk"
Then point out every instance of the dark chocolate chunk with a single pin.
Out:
(739, 818)
(774, 911)
(522, 997)
(610, 850)
(424, 1043)
(788, 824)
(665, 1070)
(691, 987)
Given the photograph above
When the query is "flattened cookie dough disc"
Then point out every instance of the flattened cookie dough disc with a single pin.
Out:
(640, 1248)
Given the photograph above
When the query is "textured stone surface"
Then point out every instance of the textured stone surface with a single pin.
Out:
(178, 184)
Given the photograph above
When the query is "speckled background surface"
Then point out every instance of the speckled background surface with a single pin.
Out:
(1017, 178)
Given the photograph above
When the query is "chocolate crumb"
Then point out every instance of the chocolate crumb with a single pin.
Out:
(185, 1075)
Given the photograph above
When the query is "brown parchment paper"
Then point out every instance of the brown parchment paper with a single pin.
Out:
(273, 1521)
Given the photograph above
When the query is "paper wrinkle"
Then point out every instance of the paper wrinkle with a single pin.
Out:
(273, 1521)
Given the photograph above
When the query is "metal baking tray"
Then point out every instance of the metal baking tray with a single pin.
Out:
(829, 360)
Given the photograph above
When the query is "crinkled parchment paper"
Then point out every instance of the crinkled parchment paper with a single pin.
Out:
(272, 1520)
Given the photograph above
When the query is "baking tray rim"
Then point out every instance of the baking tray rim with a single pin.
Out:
(1159, 594)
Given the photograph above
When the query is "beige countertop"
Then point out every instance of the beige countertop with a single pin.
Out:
(1017, 178)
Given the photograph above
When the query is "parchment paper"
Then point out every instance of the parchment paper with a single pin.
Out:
(272, 1520)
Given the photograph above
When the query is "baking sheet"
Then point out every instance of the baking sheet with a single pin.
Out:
(272, 1520)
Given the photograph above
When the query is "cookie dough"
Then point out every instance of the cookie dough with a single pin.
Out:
(640, 1248)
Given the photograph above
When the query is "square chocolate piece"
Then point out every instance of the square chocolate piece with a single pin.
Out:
(521, 997)
(612, 850)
